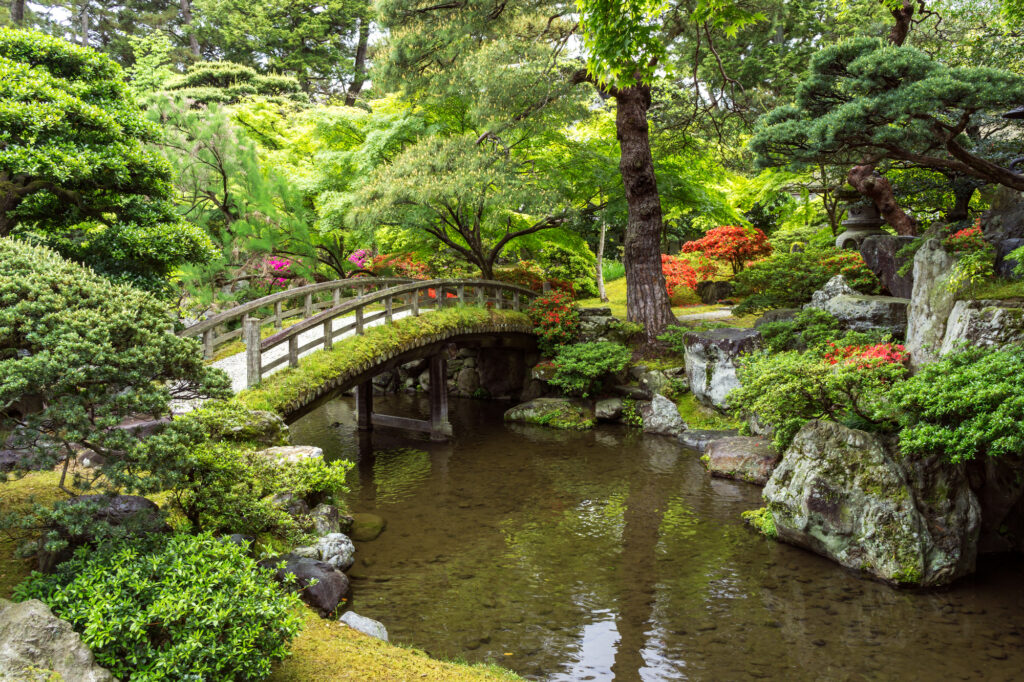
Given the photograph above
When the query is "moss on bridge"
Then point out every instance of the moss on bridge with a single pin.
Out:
(284, 391)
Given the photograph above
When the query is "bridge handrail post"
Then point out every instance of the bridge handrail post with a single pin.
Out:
(359, 320)
(208, 343)
(293, 351)
(388, 307)
(439, 296)
(416, 303)
(253, 359)
(307, 305)
(328, 333)
(277, 315)
(461, 291)
(515, 300)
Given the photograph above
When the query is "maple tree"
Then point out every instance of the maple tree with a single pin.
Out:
(735, 244)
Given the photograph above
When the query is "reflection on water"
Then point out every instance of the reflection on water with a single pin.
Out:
(609, 555)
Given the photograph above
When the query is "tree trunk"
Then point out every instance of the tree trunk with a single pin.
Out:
(646, 296)
(963, 191)
(18, 12)
(359, 72)
(877, 189)
(901, 28)
(600, 264)
(186, 17)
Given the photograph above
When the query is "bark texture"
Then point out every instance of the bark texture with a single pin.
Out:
(18, 12)
(186, 17)
(646, 296)
(359, 75)
(877, 189)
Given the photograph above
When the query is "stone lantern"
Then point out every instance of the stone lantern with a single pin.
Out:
(862, 221)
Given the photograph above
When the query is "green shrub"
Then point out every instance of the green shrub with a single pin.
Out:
(810, 327)
(762, 520)
(969, 404)
(576, 265)
(631, 415)
(786, 390)
(786, 280)
(182, 607)
(582, 368)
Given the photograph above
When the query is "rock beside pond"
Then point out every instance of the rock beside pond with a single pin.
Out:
(839, 492)
(741, 458)
(326, 519)
(337, 550)
(711, 362)
(661, 417)
(256, 426)
(367, 626)
(557, 413)
(331, 584)
(292, 453)
(35, 644)
(984, 324)
(608, 409)
(291, 503)
(367, 527)
(699, 439)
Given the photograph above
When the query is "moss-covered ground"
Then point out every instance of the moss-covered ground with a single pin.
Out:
(616, 292)
(999, 289)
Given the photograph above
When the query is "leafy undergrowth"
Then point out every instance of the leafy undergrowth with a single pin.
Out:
(326, 650)
(278, 390)
(701, 417)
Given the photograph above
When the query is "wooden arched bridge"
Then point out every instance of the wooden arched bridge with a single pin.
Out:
(329, 311)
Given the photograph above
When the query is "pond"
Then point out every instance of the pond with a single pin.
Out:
(611, 555)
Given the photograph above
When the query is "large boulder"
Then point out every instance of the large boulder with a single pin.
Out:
(36, 645)
(836, 286)
(984, 323)
(1005, 218)
(931, 303)
(880, 253)
(711, 362)
(337, 550)
(557, 413)
(841, 493)
(863, 313)
(661, 417)
(321, 585)
(741, 458)
(998, 483)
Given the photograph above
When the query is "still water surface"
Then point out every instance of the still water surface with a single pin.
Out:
(611, 555)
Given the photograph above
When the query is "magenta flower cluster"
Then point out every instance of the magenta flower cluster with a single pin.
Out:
(360, 258)
(279, 266)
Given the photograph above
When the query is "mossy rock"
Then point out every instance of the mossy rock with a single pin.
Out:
(556, 413)
(367, 527)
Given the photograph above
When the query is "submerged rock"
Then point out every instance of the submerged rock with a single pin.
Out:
(366, 526)
(983, 323)
(35, 644)
(661, 417)
(367, 626)
(840, 493)
(930, 303)
(557, 413)
(741, 458)
(711, 362)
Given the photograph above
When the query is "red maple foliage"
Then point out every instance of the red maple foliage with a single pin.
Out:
(734, 244)
(678, 272)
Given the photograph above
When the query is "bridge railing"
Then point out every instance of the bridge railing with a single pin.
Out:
(301, 301)
(413, 297)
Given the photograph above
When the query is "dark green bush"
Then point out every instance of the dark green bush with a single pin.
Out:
(968, 405)
(786, 280)
(809, 328)
(182, 607)
(582, 368)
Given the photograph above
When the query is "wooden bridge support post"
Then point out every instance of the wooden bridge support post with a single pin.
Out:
(253, 359)
(364, 406)
(440, 427)
(208, 343)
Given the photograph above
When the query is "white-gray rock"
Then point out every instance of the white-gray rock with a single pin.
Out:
(35, 644)
(337, 550)
(863, 313)
(984, 323)
(661, 417)
(836, 286)
(292, 453)
(930, 303)
(608, 409)
(307, 552)
(326, 519)
(367, 626)
(711, 362)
